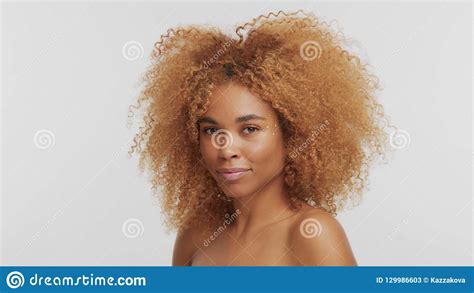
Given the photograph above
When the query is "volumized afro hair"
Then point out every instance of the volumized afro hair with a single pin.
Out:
(333, 126)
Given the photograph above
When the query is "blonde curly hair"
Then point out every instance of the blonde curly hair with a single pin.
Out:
(333, 125)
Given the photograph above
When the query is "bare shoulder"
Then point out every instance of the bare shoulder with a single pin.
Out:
(186, 245)
(318, 239)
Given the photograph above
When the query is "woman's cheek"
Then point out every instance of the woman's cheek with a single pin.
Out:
(261, 152)
(266, 151)
(207, 152)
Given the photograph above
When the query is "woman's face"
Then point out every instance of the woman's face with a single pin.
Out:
(240, 140)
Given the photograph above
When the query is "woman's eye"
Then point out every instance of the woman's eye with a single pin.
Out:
(247, 130)
(206, 130)
(250, 129)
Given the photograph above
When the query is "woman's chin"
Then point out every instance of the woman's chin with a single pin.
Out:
(234, 192)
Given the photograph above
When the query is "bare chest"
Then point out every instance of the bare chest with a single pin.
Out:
(269, 248)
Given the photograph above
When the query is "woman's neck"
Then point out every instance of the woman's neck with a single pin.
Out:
(268, 205)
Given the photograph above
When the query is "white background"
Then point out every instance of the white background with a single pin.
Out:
(64, 70)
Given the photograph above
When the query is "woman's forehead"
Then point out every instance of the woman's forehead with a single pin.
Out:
(232, 100)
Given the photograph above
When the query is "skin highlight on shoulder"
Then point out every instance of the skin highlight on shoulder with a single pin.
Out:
(318, 239)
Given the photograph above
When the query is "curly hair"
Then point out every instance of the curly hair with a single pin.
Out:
(325, 98)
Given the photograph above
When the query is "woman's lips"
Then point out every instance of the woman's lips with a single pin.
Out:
(232, 176)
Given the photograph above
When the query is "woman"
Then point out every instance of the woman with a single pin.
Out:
(255, 143)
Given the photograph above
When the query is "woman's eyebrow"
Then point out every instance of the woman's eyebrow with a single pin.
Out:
(249, 117)
(237, 120)
(207, 119)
